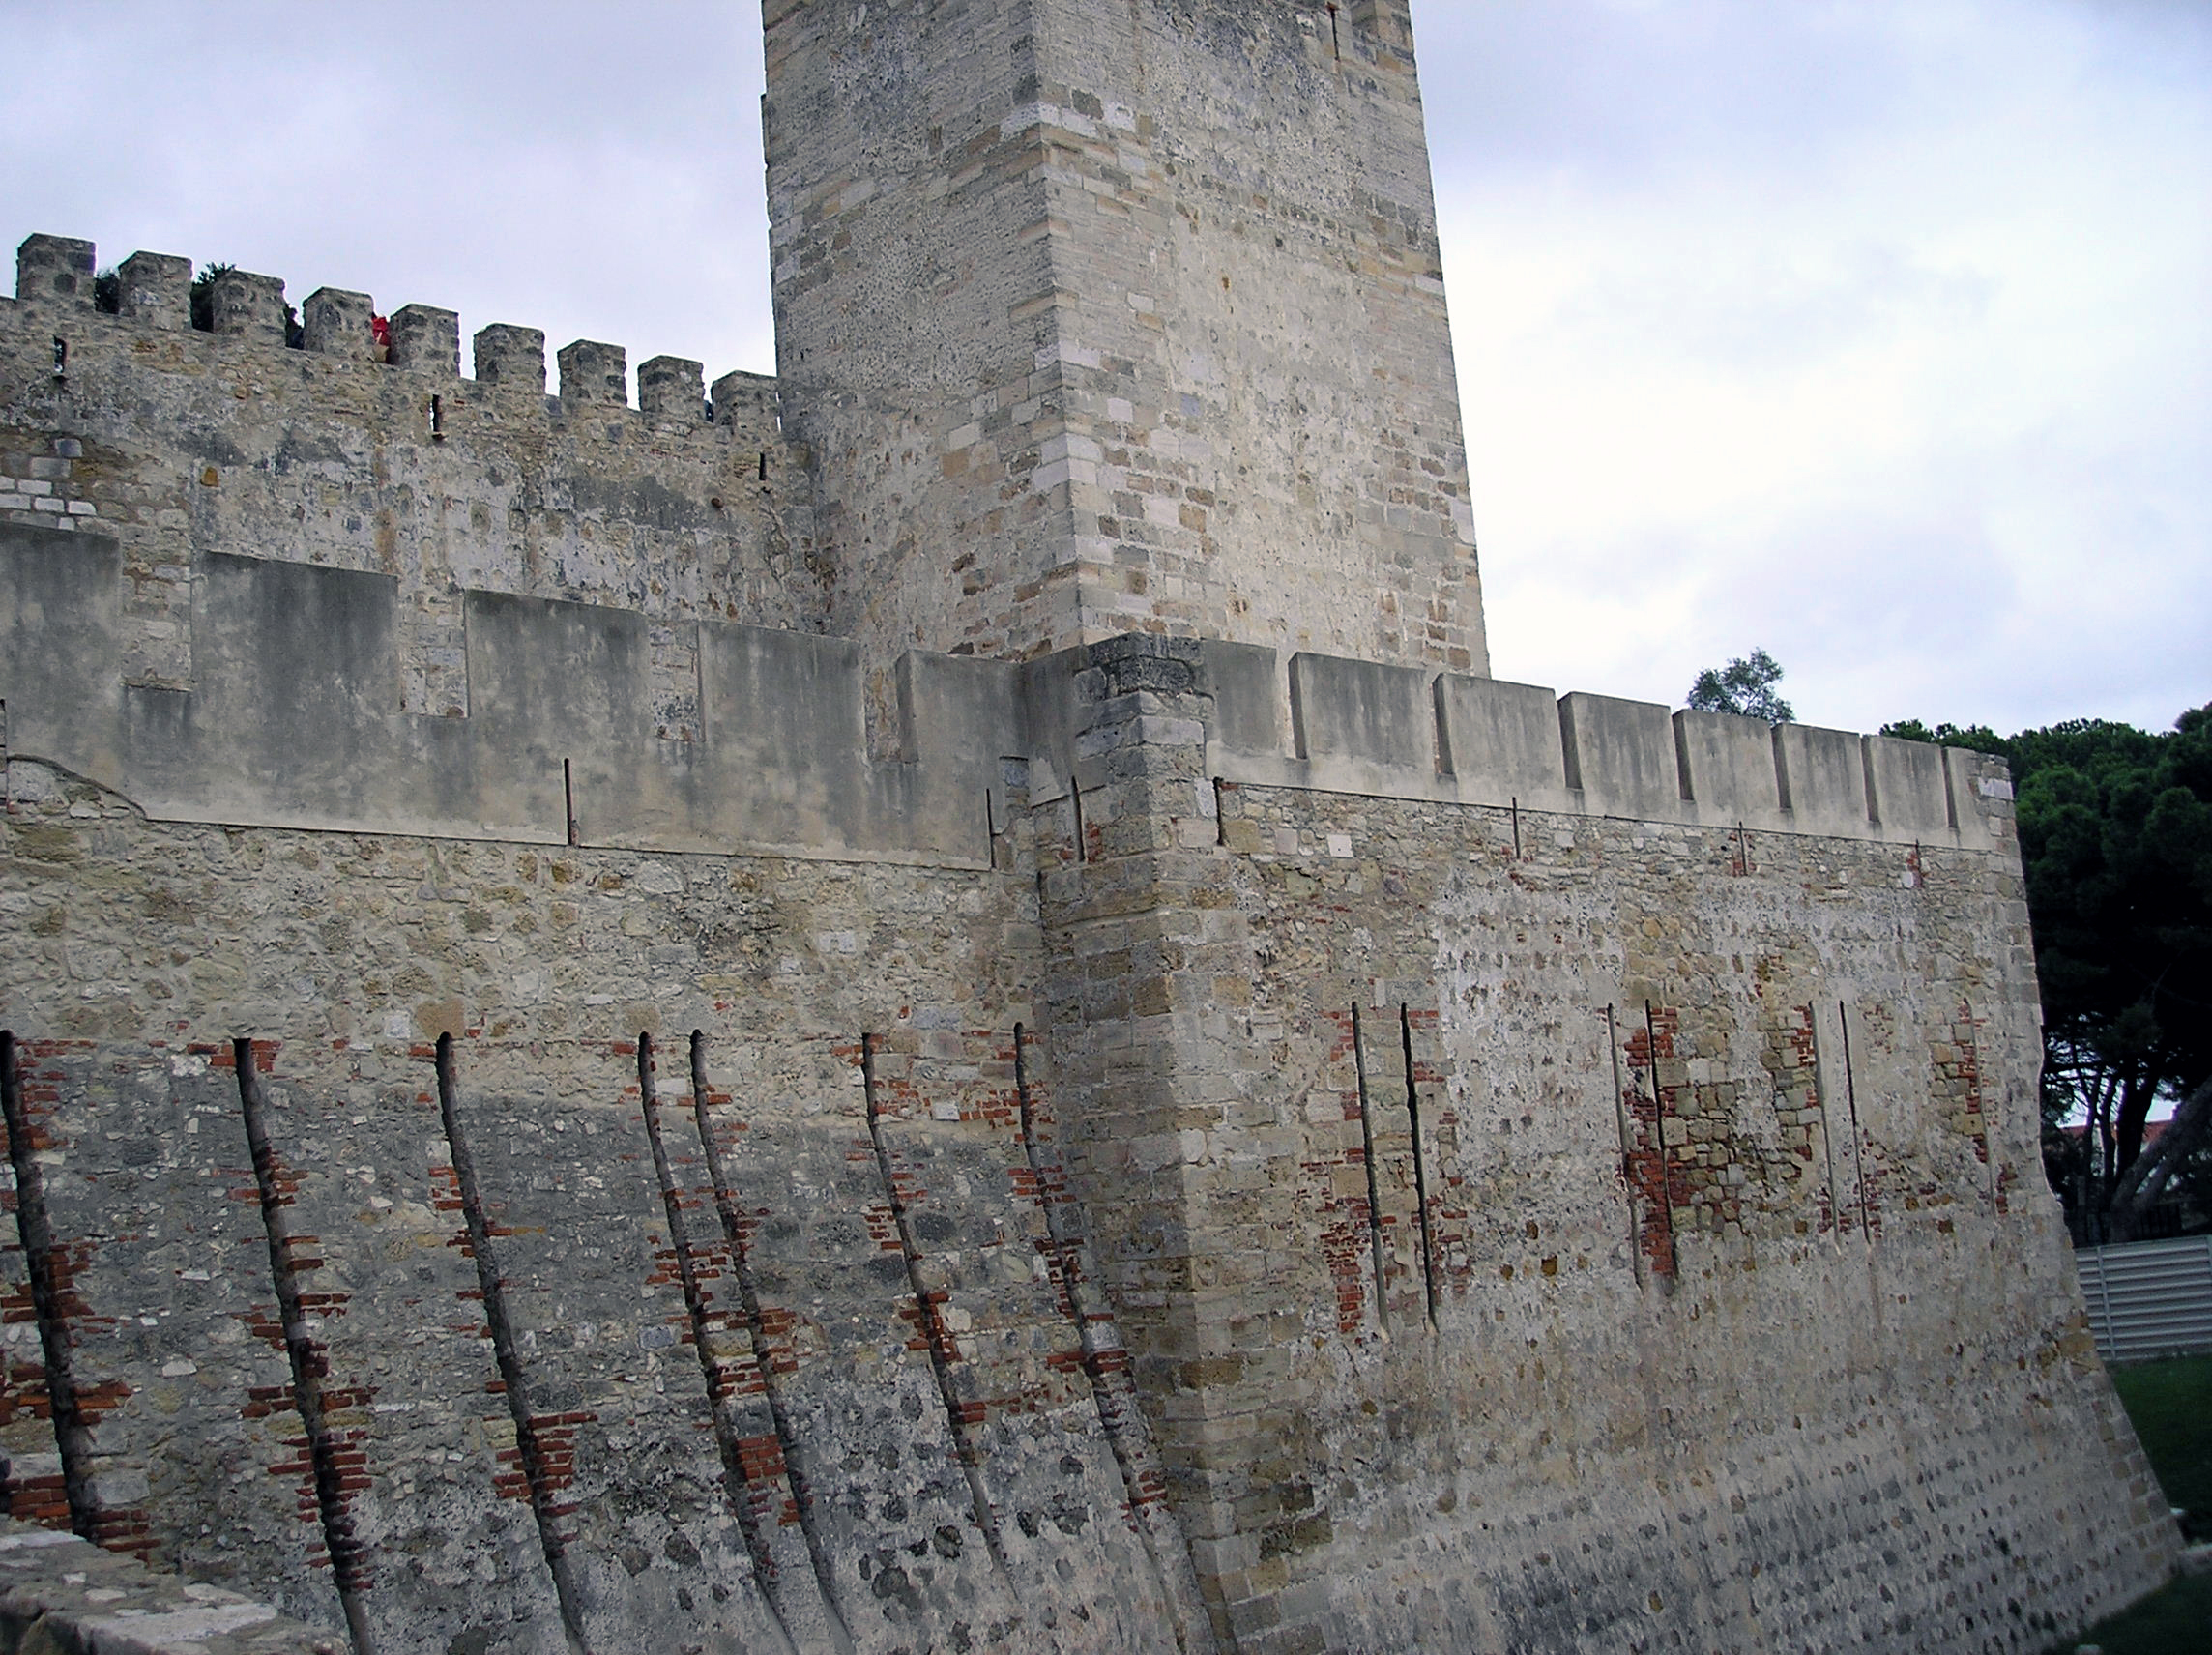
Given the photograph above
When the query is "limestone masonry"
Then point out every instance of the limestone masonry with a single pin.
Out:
(933, 1006)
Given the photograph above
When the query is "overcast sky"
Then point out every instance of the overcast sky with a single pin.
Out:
(1875, 334)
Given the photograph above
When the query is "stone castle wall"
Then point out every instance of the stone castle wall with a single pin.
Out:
(934, 1005)
(1070, 1269)
(1555, 1229)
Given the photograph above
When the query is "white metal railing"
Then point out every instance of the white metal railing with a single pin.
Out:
(2150, 1298)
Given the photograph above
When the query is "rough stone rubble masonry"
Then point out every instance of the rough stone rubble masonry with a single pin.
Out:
(933, 1004)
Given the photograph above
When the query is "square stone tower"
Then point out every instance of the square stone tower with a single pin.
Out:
(1101, 318)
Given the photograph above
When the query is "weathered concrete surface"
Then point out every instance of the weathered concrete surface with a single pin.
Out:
(295, 723)
(296, 719)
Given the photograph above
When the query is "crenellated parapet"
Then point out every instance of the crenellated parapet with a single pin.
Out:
(317, 442)
(56, 281)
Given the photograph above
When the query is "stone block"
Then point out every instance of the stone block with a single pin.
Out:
(55, 271)
(1824, 779)
(1501, 741)
(1246, 681)
(1729, 769)
(1911, 792)
(512, 358)
(428, 340)
(336, 323)
(249, 306)
(743, 398)
(1621, 755)
(1363, 711)
(156, 290)
(669, 389)
(594, 374)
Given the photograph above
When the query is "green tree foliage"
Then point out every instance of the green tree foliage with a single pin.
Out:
(2115, 835)
(1745, 687)
(203, 295)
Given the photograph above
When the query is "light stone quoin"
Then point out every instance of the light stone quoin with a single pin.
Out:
(934, 1002)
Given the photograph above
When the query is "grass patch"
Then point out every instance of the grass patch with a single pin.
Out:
(2171, 1406)
(2174, 1620)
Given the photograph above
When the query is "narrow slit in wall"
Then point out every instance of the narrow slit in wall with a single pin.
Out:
(1659, 1143)
(718, 1382)
(308, 1363)
(932, 1325)
(568, 800)
(1989, 1141)
(1075, 807)
(73, 1439)
(1827, 1124)
(1220, 822)
(764, 1356)
(505, 1353)
(1374, 1191)
(1516, 808)
(1420, 1168)
(1858, 1152)
(1627, 1124)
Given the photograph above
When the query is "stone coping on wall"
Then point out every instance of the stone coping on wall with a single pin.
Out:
(294, 721)
(54, 293)
(61, 1596)
(1361, 727)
